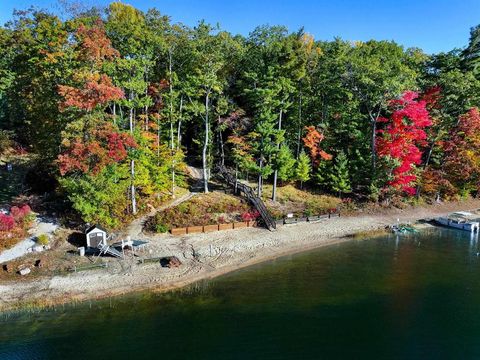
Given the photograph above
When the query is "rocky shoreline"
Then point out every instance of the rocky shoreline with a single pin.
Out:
(204, 256)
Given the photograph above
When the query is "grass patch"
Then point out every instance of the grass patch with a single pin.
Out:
(299, 202)
(369, 234)
(205, 209)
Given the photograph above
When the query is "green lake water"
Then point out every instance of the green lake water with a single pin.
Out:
(413, 297)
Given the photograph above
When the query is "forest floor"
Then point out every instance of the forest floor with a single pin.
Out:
(203, 256)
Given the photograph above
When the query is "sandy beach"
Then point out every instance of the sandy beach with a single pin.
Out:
(204, 256)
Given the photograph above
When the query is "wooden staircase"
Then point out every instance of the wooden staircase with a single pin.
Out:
(229, 178)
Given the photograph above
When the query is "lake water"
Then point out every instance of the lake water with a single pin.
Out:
(413, 297)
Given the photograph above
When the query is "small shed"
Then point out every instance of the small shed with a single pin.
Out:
(96, 236)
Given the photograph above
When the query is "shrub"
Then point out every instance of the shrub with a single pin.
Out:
(42, 239)
(250, 215)
(7, 222)
(22, 215)
(161, 228)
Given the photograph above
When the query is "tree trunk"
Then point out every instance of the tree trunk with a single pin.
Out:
(179, 127)
(260, 179)
(374, 137)
(132, 187)
(130, 116)
(299, 136)
(220, 138)
(427, 161)
(172, 141)
(205, 146)
(236, 178)
(275, 174)
(132, 164)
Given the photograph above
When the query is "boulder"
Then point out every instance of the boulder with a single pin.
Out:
(170, 262)
(37, 248)
(24, 271)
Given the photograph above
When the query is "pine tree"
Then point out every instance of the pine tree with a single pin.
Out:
(471, 55)
(303, 169)
(284, 163)
(340, 177)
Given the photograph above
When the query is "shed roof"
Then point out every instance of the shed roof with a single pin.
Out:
(93, 227)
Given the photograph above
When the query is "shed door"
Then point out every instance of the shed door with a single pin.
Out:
(96, 239)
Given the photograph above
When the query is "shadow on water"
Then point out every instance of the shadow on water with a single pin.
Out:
(412, 296)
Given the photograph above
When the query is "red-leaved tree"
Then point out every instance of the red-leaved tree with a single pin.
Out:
(400, 138)
(106, 146)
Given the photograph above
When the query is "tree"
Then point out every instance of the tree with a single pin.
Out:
(312, 141)
(471, 54)
(285, 163)
(399, 141)
(36, 57)
(208, 79)
(378, 71)
(303, 168)
(462, 153)
(340, 177)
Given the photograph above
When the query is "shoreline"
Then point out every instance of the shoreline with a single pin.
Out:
(204, 257)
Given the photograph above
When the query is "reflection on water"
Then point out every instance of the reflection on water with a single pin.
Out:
(415, 296)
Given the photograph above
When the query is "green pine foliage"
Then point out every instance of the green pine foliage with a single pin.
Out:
(340, 177)
(285, 163)
(303, 168)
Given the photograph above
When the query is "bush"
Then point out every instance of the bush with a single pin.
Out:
(161, 228)
(22, 215)
(42, 239)
(250, 215)
(7, 222)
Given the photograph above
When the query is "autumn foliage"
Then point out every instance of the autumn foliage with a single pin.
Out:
(95, 90)
(7, 222)
(462, 151)
(94, 45)
(312, 141)
(14, 225)
(106, 146)
(399, 140)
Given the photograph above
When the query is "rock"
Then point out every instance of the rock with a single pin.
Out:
(170, 262)
(38, 248)
(8, 268)
(25, 271)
